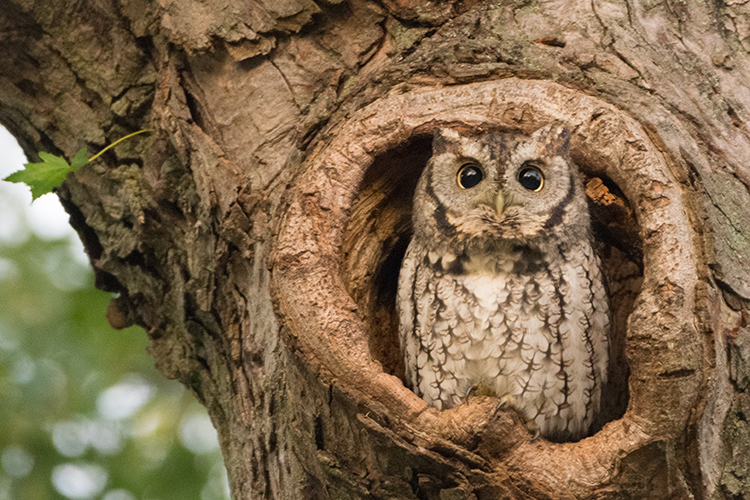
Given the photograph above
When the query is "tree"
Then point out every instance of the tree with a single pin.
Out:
(256, 235)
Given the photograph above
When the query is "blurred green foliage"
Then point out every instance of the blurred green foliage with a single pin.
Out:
(83, 412)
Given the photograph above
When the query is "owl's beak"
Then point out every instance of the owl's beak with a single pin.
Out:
(499, 203)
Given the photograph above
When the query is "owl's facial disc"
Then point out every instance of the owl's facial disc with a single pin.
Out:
(520, 199)
(497, 188)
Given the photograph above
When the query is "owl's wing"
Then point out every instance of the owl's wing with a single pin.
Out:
(408, 328)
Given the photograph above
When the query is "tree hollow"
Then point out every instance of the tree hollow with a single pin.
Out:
(347, 223)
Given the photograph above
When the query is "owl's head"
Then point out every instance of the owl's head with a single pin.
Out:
(499, 188)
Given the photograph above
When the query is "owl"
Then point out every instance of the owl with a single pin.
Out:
(500, 291)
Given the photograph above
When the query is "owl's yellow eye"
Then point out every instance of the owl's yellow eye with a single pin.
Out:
(469, 175)
(531, 178)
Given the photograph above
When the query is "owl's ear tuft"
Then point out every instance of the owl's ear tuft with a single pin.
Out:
(442, 138)
(553, 138)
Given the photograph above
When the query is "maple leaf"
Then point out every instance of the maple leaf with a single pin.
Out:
(48, 174)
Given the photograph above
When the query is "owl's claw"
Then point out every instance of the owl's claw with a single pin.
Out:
(533, 429)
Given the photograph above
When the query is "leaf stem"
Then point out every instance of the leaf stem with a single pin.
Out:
(118, 141)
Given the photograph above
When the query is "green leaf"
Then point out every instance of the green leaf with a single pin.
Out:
(43, 177)
(79, 160)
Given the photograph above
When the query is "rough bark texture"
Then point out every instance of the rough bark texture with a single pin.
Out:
(257, 234)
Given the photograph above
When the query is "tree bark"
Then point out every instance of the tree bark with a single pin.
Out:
(257, 234)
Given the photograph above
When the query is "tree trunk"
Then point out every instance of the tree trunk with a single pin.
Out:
(256, 235)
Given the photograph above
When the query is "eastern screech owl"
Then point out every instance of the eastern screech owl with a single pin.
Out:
(500, 292)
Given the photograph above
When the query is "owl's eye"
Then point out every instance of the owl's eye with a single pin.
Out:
(531, 178)
(469, 175)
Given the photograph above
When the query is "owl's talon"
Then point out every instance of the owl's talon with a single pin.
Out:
(534, 430)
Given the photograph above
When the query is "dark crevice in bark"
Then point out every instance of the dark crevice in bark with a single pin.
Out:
(145, 260)
(735, 301)
(736, 120)
(27, 87)
(146, 45)
(551, 41)
(194, 106)
(107, 282)
(678, 374)
(205, 366)
(319, 439)
(418, 43)
(312, 133)
(88, 236)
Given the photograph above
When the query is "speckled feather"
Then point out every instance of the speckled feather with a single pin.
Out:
(514, 301)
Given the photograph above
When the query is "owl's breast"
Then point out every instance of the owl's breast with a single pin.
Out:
(530, 328)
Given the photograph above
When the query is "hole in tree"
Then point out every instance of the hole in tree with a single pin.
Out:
(376, 239)
(379, 232)
(620, 249)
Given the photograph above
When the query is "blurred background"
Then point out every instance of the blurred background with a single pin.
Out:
(83, 413)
